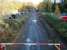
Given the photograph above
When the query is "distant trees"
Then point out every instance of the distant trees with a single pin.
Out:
(65, 1)
(65, 7)
(47, 6)
(42, 6)
(25, 7)
(7, 7)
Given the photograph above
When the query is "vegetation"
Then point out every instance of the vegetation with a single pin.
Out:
(9, 5)
(43, 6)
(57, 24)
(51, 18)
(10, 28)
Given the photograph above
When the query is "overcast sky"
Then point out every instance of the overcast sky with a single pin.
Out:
(57, 1)
(34, 1)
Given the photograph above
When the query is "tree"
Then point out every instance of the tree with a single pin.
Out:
(42, 6)
(57, 10)
(10, 6)
(65, 1)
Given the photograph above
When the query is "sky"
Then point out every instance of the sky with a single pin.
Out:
(33, 1)
(57, 1)
(37, 1)
(29, 0)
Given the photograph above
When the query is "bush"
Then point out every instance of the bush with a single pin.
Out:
(57, 24)
(10, 32)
